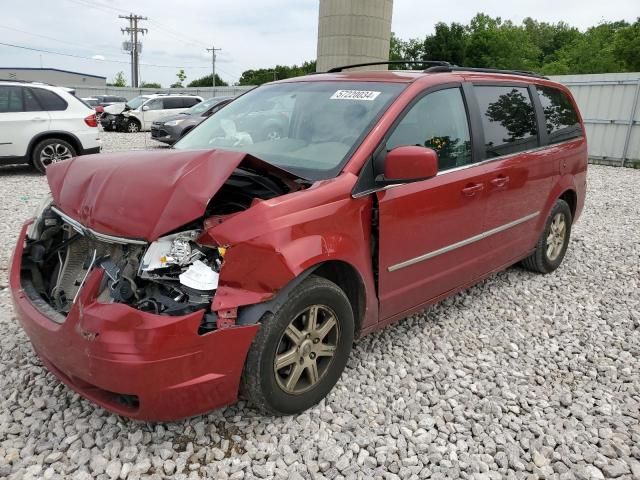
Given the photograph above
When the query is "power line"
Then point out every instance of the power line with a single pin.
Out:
(98, 6)
(94, 59)
(54, 39)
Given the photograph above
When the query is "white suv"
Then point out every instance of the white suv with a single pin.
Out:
(41, 124)
(140, 112)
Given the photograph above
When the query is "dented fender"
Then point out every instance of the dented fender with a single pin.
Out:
(276, 243)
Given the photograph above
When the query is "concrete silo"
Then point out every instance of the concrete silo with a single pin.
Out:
(353, 31)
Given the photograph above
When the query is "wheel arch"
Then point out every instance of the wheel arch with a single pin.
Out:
(571, 197)
(59, 134)
(343, 274)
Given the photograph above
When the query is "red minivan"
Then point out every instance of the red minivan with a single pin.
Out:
(160, 284)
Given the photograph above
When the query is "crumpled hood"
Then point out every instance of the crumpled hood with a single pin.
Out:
(146, 194)
(115, 109)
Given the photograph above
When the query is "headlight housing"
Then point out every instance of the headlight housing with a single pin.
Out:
(173, 123)
(33, 231)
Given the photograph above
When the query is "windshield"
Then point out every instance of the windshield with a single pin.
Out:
(204, 106)
(136, 102)
(308, 128)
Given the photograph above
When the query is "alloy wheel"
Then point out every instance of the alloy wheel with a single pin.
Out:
(132, 127)
(54, 153)
(306, 349)
(556, 236)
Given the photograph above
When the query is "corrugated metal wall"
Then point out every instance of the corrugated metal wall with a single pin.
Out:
(129, 93)
(610, 107)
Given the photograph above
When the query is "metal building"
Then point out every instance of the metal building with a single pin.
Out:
(354, 31)
(53, 76)
(610, 107)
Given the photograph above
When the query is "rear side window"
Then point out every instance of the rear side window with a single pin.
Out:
(438, 121)
(170, 103)
(190, 101)
(560, 117)
(30, 102)
(50, 101)
(508, 119)
(11, 99)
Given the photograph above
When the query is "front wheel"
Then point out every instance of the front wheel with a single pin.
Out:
(133, 126)
(552, 244)
(300, 350)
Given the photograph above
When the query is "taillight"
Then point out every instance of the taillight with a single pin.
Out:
(91, 120)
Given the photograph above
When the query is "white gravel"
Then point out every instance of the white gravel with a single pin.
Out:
(523, 376)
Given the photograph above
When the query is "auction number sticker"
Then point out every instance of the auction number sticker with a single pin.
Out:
(365, 95)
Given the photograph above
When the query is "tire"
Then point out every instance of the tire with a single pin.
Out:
(49, 151)
(132, 126)
(265, 385)
(551, 248)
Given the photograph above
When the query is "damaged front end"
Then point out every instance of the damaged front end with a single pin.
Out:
(174, 274)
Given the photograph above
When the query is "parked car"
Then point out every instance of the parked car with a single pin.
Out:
(106, 100)
(42, 124)
(172, 128)
(95, 104)
(158, 283)
(140, 112)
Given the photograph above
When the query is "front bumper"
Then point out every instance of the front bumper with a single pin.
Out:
(165, 134)
(140, 365)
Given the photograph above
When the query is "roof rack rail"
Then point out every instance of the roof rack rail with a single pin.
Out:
(455, 68)
(439, 63)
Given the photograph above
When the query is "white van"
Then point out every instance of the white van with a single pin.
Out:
(140, 112)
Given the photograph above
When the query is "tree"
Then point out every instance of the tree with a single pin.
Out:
(411, 50)
(497, 44)
(118, 81)
(279, 72)
(592, 52)
(181, 78)
(626, 46)
(448, 43)
(206, 82)
(150, 85)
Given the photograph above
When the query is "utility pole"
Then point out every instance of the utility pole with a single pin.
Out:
(133, 31)
(213, 51)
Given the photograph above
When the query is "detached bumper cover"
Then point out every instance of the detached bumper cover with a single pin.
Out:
(144, 366)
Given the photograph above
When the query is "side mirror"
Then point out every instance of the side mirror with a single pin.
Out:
(410, 164)
(145, 108)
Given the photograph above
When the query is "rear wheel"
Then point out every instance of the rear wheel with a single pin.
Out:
(552, 244)
(301, 350)
(50, 151)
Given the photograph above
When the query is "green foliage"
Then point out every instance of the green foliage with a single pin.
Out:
(550, 48)
(626, 46)
(181, 78)
(118, 81)
(279, 72)
(206, 82)
(150, 85)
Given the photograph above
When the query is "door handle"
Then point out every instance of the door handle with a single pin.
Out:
(500, 181)
(38, 119)
(472, 189)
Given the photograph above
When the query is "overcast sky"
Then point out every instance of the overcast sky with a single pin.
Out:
(252, 34)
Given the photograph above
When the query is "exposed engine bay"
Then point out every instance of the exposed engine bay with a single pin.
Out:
(174, 275)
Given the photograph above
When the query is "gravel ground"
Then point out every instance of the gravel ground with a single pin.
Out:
(522, 376)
